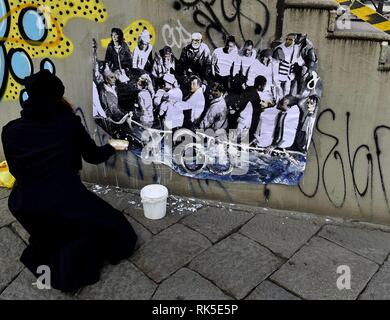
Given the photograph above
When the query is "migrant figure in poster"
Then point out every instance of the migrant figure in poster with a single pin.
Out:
(247, 57)
(165, 102)
(195, 59)
(239, 113)
(224, 62)
(143, 53)
(216, 115)
(118, 56)
(164, 62)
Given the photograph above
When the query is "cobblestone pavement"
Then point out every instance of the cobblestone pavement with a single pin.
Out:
(217, 251)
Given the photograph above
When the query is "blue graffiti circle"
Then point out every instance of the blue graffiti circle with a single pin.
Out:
(32, 25)
(47, 64)
(4, 20)
(20, 63)
(3, 70)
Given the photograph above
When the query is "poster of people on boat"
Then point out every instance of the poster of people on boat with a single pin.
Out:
(234, 113)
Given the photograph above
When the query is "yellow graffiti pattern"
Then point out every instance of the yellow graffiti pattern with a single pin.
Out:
(57, 13)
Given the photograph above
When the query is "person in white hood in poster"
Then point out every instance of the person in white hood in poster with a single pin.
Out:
(167, 101)
(144, 108)
(143, 58)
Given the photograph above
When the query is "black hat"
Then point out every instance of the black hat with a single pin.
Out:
(44, 85)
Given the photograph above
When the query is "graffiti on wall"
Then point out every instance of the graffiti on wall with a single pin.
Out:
(360, 169)
(175, 36)
(34, 30)
(237, 12)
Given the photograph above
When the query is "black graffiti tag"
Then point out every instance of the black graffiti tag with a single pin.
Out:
(205, 17)
(350, 156)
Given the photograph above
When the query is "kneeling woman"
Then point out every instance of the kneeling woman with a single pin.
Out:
(72, 230)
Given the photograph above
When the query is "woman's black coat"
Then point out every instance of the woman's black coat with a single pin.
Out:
(117, 60)
(71, 229)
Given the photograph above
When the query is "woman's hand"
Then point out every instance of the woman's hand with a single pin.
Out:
(119, 145)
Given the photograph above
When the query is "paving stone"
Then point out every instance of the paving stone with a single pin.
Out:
(11, 248)
(282, 235)
(188, 285)
(379, 286)
(6, 217)
(216, 223)
(119, 199)
(142, 233)
(155, 226)
(18, 229)
(121, 282)
(270, 291)
(299, 215)
(4, 193)
(271, 211)
(169, 251)
(236, 264)
(312, 272)
(372, 244)
(22, 288)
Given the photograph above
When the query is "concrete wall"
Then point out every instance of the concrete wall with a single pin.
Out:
(347, 172)
(352, 147)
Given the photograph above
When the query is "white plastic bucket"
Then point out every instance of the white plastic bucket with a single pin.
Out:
(154, 200)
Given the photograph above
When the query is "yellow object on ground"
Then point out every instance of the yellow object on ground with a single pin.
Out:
(7, 180)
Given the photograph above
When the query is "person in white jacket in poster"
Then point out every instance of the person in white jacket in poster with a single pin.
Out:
(267, 67)
(216, 115)
(224, 61)
(143, 110)
(167, 101)
(251, 115)
(196, 102)
(287, 122)
(288, 55)
(246, 58)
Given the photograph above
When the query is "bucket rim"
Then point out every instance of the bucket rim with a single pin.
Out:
(164, 192)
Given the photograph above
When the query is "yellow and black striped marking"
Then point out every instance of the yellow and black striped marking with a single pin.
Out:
(367, 14)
